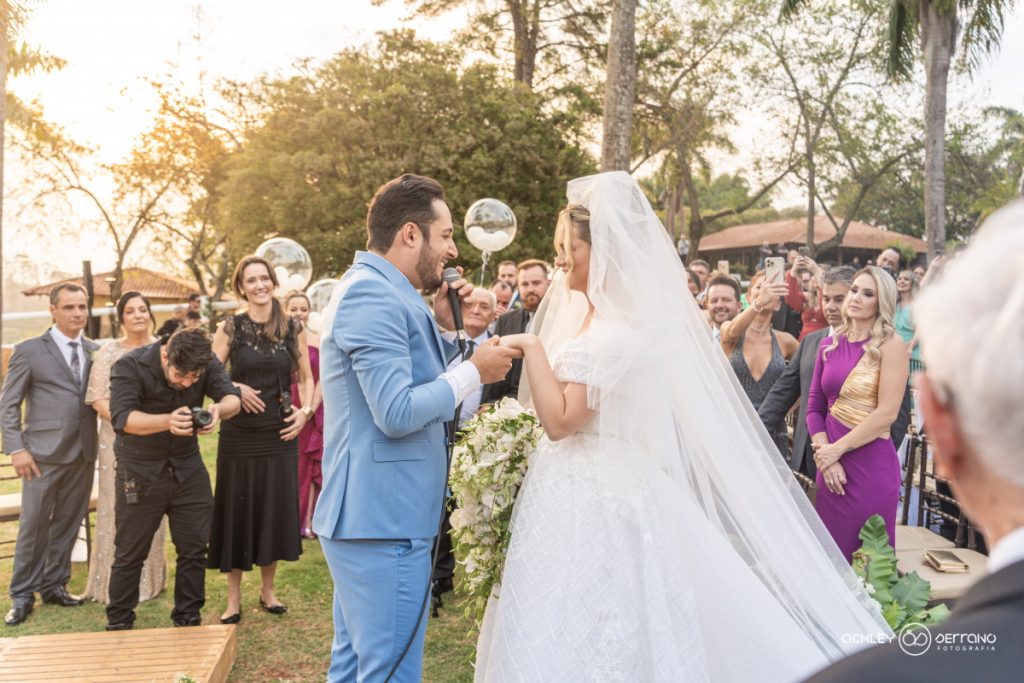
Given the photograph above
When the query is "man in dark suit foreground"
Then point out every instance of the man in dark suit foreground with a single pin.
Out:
(974, 413)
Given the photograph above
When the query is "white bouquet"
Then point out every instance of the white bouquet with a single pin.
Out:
(488, 466)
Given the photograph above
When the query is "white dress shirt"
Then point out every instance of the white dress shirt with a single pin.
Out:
(63, 343)
(471, 400)
(1009, 550)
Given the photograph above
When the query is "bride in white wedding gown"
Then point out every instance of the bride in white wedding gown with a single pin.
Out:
(658, 535)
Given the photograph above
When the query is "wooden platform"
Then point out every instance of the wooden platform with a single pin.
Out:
(157, 654)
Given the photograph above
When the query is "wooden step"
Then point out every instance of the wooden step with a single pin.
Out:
(207, 653)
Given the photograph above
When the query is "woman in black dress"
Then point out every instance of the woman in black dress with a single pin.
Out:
(256, 503)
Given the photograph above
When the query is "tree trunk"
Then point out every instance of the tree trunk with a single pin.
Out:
(811, 190)
(696, 223)
(526, 30)
(115, 294)
(938, 33)
(620, 88)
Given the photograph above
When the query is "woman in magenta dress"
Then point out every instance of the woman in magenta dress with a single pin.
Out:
(311, 439)
(855, 395)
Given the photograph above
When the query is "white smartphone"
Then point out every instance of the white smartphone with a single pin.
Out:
(774, 266)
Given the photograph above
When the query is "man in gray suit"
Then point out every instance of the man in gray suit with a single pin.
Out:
(795, 381)
(53, 450)
(970, 395)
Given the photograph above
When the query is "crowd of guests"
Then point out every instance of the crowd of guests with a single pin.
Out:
(835, 344)
(136, 400)
(153, 392)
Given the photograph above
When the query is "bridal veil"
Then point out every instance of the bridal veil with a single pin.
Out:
(666, 399)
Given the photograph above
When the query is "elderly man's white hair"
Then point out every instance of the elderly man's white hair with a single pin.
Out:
(972, 336)
(487, 294)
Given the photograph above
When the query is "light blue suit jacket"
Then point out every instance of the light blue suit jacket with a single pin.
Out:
(384, 408)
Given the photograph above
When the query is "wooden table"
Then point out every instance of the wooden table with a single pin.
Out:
(206, 653)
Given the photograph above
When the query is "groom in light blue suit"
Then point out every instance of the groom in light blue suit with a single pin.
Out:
(386, 400)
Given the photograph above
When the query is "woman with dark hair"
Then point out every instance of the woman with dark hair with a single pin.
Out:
(136, 318)
(311, 439)
(256, 502)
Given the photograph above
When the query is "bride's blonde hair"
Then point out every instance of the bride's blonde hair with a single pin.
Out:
(573, 218)
(883, 327)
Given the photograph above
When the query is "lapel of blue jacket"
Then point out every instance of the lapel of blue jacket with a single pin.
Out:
(401, 282)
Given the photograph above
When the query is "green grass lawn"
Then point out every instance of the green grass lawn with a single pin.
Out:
(292, 647)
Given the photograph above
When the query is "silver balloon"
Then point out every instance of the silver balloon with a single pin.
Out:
(490, 225)
(290, 261)
(320, 292)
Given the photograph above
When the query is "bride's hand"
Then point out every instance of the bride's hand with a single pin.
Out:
(519, 342)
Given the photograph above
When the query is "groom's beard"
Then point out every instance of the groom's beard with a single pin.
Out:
(427, 267)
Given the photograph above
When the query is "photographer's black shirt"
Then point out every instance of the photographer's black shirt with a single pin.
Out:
(138, 382)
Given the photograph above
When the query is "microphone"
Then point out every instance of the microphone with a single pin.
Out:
(450, 275)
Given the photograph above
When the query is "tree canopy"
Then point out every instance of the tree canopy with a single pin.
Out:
(329, 137)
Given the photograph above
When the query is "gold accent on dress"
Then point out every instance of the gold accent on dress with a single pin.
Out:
(154, 571)
(858, 396)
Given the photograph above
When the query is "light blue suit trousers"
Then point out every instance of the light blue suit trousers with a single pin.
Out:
(378, 588)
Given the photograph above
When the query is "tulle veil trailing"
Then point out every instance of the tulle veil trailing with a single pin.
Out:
(661, 385)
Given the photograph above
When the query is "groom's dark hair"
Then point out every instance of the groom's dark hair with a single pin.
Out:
(406, 199)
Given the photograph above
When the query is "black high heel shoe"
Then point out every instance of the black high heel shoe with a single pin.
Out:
(233, 619)
(272, 609)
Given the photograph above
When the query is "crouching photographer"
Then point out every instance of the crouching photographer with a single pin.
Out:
(156, 398)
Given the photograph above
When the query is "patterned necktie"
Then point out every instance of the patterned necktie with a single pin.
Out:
(76, 365)
(470, 349)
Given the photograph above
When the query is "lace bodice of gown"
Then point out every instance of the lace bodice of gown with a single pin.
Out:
(570, 365)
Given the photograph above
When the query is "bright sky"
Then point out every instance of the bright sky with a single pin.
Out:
(112, 45)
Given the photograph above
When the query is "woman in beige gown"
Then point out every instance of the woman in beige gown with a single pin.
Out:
(138, 322)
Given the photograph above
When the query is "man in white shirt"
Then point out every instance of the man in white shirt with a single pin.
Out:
(973, 408)
(478, 312)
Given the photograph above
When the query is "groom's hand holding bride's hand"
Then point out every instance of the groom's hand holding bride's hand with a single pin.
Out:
(519, 342)
(493, 360)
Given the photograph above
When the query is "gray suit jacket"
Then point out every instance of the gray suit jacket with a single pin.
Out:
(994, 607)
(58, 424)
(794, 384)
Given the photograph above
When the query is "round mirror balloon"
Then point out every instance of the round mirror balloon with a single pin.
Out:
(319, 294)
(290, 261)
(490, 225)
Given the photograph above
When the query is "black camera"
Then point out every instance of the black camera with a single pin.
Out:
(201, 418)
(286, 408)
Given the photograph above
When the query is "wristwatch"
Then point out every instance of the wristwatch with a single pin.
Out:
(307, 411)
